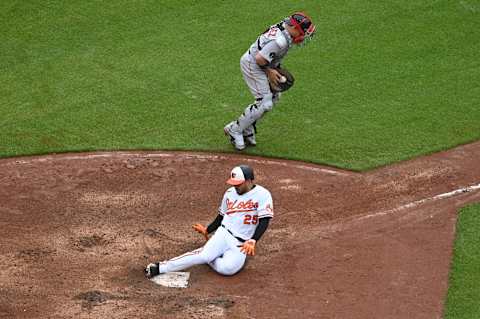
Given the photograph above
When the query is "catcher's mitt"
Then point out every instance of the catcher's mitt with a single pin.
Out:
(284, 85)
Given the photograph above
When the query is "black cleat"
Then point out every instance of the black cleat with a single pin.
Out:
(152, 270)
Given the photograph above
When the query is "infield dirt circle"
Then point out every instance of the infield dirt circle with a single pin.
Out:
(78, 229)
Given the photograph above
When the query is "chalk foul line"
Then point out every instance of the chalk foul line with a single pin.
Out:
(453, 193)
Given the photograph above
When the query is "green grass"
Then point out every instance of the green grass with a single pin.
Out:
(464, 290)
(381, 83)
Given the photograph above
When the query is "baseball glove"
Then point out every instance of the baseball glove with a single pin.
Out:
(285, 83)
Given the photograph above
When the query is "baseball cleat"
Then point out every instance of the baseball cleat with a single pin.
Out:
(152, 270)
(236, 138)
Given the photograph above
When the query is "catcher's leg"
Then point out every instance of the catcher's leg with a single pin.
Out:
(244, 126)
(254, 112)
(236, 137)
(249, 135)
(250, 132)
(257, 82)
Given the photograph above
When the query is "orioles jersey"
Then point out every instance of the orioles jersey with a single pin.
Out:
(272, 45)
(242, 212)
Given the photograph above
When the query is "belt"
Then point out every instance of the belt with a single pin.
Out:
(237, 238)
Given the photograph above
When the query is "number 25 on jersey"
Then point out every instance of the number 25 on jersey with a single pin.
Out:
(250, 220)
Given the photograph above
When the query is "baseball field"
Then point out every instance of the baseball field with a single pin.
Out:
(134, 95)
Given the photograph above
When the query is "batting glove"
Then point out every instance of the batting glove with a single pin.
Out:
(248, 247)
(201, 229)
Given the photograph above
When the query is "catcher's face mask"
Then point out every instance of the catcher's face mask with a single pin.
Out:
(303, 24)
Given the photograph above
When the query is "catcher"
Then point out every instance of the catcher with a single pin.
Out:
(243, 217)
(265, 78)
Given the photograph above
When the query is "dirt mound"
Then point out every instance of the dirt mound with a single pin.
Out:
(77, 230)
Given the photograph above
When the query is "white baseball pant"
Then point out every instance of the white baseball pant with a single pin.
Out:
(221, 252)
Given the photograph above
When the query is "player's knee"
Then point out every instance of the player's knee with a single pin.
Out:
(251, 109)
(230, 269)
(267, 103)
(207, 257)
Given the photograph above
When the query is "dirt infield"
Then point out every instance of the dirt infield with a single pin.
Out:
(77, 230)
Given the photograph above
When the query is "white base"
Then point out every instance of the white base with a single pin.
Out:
(172, 279)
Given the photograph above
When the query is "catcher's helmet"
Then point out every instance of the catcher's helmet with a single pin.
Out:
(303, 24)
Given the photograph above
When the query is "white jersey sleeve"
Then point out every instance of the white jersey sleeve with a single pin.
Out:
(270, 51)
(222, 209)
(265, 208)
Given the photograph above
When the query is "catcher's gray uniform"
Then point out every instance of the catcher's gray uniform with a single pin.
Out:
(273, 46)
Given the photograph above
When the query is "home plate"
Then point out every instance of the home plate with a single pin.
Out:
(172, 279)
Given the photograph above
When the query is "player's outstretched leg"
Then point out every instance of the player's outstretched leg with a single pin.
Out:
(214, 248)
(152, 270)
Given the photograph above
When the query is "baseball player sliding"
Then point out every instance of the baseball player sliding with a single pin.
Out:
(261, 70)
(243, 217)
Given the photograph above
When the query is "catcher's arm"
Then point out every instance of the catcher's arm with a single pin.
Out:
(273, 75)
(280, 79)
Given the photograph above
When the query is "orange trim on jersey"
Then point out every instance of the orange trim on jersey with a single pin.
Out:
(190, 253)
(240, 211)
(266, 215)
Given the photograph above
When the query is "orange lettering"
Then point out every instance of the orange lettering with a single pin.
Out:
(239, 206)
(250, 220)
